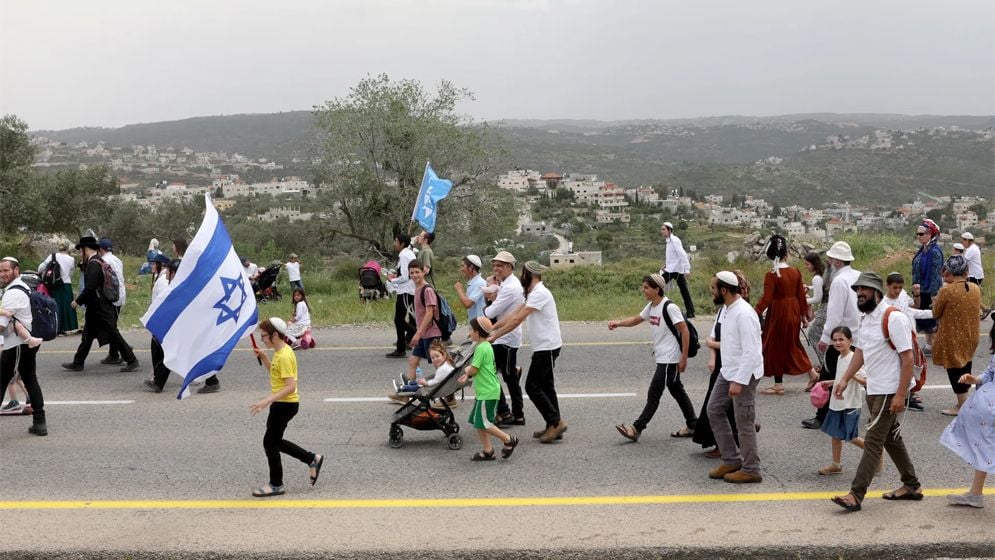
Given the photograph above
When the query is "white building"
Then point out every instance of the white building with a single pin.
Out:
(519, 180)
(570, 260)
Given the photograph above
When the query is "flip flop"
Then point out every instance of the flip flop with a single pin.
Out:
(683, 432)
(268, 490)
(911, 494)
(628, 432)
(317, 468)
(772, 391)
(843, 503)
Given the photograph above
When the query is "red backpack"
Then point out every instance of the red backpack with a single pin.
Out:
(918, 357)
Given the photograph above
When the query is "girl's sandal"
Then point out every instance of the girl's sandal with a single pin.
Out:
(314, 469)
(628, 432)
(268, 490)
(481, 456)
(509, 447)
(848, 502)
(772, 391)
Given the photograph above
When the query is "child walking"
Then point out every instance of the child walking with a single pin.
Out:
(283, 402)
(842, 423)
(483, 370)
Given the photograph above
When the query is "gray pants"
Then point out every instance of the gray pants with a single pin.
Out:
(883, 435)
(744, 407)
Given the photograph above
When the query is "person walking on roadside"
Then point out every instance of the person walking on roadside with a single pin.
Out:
(926, 278)
(898, 298)
(17, 356)
(677, 266)
(485, 384)
(293, 267)
(473, 298)
(817, 301)
(957, 308)
(841, 311)
(163, 271)
(671, 353)
(62, 290)
(742, 368)
(107, 255)
(543, 325)
(426, 318)
(100, 319)
(509, 297)
(426, 255)
(404, 324)
(887, 364)
(786, 310)
(972, 254)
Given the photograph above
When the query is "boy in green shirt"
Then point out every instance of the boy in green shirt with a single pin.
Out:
(483, 370)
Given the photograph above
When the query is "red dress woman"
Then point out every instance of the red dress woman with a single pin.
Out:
(784, 300)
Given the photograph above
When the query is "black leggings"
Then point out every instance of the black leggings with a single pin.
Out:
(666, 376)
(21, 359)
(280, 414)
(954, 375)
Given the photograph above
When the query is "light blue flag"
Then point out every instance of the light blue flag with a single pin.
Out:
(208, 307)
(433, 189)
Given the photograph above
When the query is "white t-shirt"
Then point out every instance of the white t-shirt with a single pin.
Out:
(159, 286)
(882, 365)
(508, 300)
(302, 316)
(293, 271)
(853, 396)
(401, 283)
(904, 304)
(66, 266)
(666, 348)
(973, 257)
(543, 324)
(440, 373)
(250, 270)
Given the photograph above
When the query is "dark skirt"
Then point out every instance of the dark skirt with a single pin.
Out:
(925, 325)
(842, 424)
(63, 296)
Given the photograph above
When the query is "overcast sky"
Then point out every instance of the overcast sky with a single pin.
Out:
(114, 62)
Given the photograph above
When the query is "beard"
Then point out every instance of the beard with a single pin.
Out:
(717, 299)
(867, 305)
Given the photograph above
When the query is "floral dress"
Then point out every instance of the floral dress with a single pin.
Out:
(972, 433)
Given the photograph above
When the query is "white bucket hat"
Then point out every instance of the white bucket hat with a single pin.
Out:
(840, 250)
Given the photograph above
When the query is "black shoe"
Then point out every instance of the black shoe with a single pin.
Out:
(112, 361)
(690, 315)
(131, 366)
(39, 429)
(72, 366)
(209, 389)
(152, 386)
(396, 354)
(916, 405)
(812, 423)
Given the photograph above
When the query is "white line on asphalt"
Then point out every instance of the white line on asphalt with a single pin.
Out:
(935, 387)
(561, 396)
(89, 402)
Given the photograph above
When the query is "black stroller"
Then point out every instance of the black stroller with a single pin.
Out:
(418, 413)
(371, 286)
(265, 285)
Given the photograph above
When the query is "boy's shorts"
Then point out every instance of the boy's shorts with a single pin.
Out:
(421, 349)
(483, 413)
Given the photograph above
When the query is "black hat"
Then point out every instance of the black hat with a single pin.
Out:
(89, 242)
(159, 258)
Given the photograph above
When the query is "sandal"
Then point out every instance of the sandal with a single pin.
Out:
(315, 468)
(509, 447)
(482, 456)
(772, 391)
(848, 502)
(628, 432)
(683, 432)
(910, 494)
(268, 490)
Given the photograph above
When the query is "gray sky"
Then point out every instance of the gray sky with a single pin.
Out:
(114, 62)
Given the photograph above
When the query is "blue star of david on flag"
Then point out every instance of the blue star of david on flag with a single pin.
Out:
(228, 312)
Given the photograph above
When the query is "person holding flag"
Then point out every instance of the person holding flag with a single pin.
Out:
(433, 189)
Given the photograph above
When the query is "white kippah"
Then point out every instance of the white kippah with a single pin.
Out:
(728, 278)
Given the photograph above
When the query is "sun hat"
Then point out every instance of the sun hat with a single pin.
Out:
(534, 267)
(869, 280)
(505, 257)
(279, 324)
(967, 235)
(727, 278)
(840, 250)
(474, 260)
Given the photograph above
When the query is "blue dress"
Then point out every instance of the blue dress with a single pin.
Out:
(972, 433)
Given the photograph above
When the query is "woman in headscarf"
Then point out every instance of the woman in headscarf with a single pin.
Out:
(957, 307)
(787, 310)
(926, 281)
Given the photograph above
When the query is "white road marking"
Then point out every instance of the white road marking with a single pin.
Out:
(561, 396)
(88, 402)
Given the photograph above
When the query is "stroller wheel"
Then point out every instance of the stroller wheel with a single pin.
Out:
(455, 442)
(396, 438)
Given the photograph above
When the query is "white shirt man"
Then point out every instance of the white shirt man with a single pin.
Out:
(118, 267)
(972, 254)
(841, 309)
(677, 258)
(742, 355)
(401, 283)
(293, 267)
(251, 269)
(17, 356)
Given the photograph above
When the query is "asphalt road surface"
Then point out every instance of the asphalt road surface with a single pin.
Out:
(128, 473)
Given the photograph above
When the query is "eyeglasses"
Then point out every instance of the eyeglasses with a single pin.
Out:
(921, 233)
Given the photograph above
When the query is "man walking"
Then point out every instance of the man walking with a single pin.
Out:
(404, 327)
(426, 255)
(841, 310)
(972, 254)
(887, 363)
(293, 267)
(742, 368)
(17, 356)
(107, 254)
(473, 298)
(100, 319)
(677, 266)
(509, 297)
(543, 325)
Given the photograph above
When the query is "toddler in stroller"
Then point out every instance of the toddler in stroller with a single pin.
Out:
(265, 284)
(371, 284)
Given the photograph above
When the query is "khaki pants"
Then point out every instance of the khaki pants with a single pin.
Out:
(744, 454)
(882, 435)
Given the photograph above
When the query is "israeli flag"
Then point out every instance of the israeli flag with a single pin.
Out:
(433, 189)
(208, 307)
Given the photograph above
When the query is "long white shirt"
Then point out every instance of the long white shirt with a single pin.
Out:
(17, 302)
(118, 268)
(841, 309)
(882, 364)
(904, 304)
(816, 298)
(677, 257)
(401, 283)
(742, 349)
(509, 297)
(543, 324)
(66, 265)
(972, 255)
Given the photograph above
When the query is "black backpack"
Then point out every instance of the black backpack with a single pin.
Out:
(446, 319)
(693, 344)
(52, 275)
(44, 314)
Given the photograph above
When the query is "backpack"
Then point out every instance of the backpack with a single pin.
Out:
(918, 356)
(446, 320)
(110, 289)
(693, 345)
(51, 277)
(44, 314)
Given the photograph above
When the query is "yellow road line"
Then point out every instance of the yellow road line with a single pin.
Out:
(443, 503)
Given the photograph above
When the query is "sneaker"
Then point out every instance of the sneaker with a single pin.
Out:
(131, 366)
(112, 361)
(967, 499)
(72, 366)
(927, 350)
(832, 468)
(396, 354)
(152, 386)
(915, 403)
(38, 429)
(209, 389)
(12, 407)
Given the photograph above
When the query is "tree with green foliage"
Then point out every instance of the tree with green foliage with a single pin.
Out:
(375, 142)
(18, 201)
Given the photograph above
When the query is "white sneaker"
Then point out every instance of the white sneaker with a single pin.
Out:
(967, 499)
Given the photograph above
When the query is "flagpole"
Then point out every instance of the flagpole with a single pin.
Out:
(411, 222)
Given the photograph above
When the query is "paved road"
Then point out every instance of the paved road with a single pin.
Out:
(153, 476)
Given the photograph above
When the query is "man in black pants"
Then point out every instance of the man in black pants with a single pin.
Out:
(17, 357)
(404, 323)
(677, 266)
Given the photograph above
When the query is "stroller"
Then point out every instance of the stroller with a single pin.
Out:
(418, 413)
(265, 285)
(371, 286)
